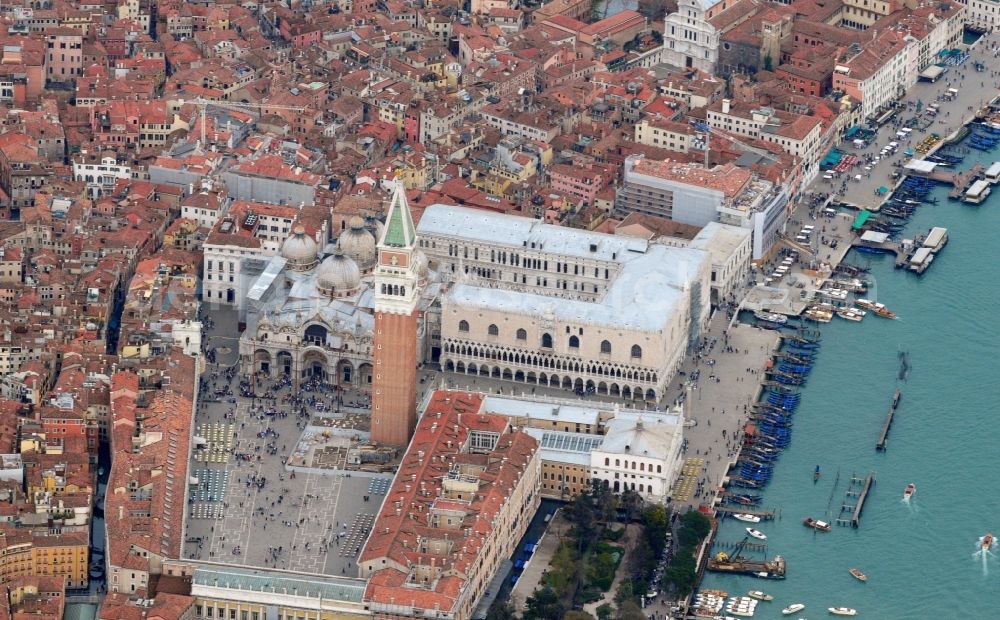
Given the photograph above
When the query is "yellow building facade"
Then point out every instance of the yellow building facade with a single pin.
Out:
(65, 555)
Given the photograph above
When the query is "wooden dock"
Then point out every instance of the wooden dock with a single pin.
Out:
(854, 486)
(963, 180)
(765, 515)
(737, 546)
(960, 180)
(774, 569)
(883, 436)
(858, 507)
(891, 247)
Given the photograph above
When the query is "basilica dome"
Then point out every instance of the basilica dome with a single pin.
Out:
(300, 250)
(358, 244)
(338, 276)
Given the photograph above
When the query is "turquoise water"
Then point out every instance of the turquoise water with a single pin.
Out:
(919, 557)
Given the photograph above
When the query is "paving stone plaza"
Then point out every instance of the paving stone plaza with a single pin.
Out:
(248, 507)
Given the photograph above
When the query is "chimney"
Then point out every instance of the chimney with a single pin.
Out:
(725, 106)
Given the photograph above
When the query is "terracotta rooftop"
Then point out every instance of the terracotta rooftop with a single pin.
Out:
(150, 445)
(431, 488)
(728, 178)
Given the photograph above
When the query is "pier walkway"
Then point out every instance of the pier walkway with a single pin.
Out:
(856, 516)
(883, 436)
(765, 515)
(854, 500)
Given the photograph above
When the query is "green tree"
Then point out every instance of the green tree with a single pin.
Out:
(698, 522)
(562, 569)
(681, 573)
(768, 63)
(604, 611)
(641, 560)
(630, 610)
(625, 591)
(631, 502)
(581, 513)
(681, 578)
(601, 570)
(607, 502)
(501, 611)
(543, 604)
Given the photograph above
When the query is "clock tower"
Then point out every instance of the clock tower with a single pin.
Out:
(394, 386)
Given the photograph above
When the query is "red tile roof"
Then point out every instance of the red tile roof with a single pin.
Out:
(420, 505)
(150, 447)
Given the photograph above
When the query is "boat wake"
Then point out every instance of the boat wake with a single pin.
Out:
(983, 551)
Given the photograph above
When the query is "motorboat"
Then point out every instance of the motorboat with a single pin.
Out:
(741, 606)
(759, 595)
(756, 534)
(884, 312)
(857, 574)
(818, 314)
(715, 593)
(851, 313)
(793, 608)
(909, 491)
(876, 307)
(822, 526)
(842, 611)
(987, 541)
(746, 518)
(771, 317)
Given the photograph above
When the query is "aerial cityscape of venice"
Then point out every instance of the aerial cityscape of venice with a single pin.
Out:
(499, 309)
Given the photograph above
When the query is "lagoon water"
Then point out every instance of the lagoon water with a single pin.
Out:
(919, 557)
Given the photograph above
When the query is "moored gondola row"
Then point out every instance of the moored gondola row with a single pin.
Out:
(769, 429)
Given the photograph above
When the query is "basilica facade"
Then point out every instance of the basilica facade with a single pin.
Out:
(310, 313)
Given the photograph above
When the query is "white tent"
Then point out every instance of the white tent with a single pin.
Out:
(871, 236)
(920, 165)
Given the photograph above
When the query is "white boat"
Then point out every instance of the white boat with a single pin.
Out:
(739, 516)
(793, 608)
(756, 534)
(818, 314)
(851, 313)
(909, 491)
(842, 611)
(760, 596)
(771, 317)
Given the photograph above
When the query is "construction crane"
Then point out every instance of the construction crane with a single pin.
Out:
(204, 103)
(708, 131)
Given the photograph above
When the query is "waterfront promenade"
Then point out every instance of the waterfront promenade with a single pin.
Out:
(709, 404)
(975, 89)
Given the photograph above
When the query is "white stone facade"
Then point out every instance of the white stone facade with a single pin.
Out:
(983, 15)
(689, 39)
(548, 305)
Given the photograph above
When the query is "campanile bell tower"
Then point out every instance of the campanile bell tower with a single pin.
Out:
(394, 386)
